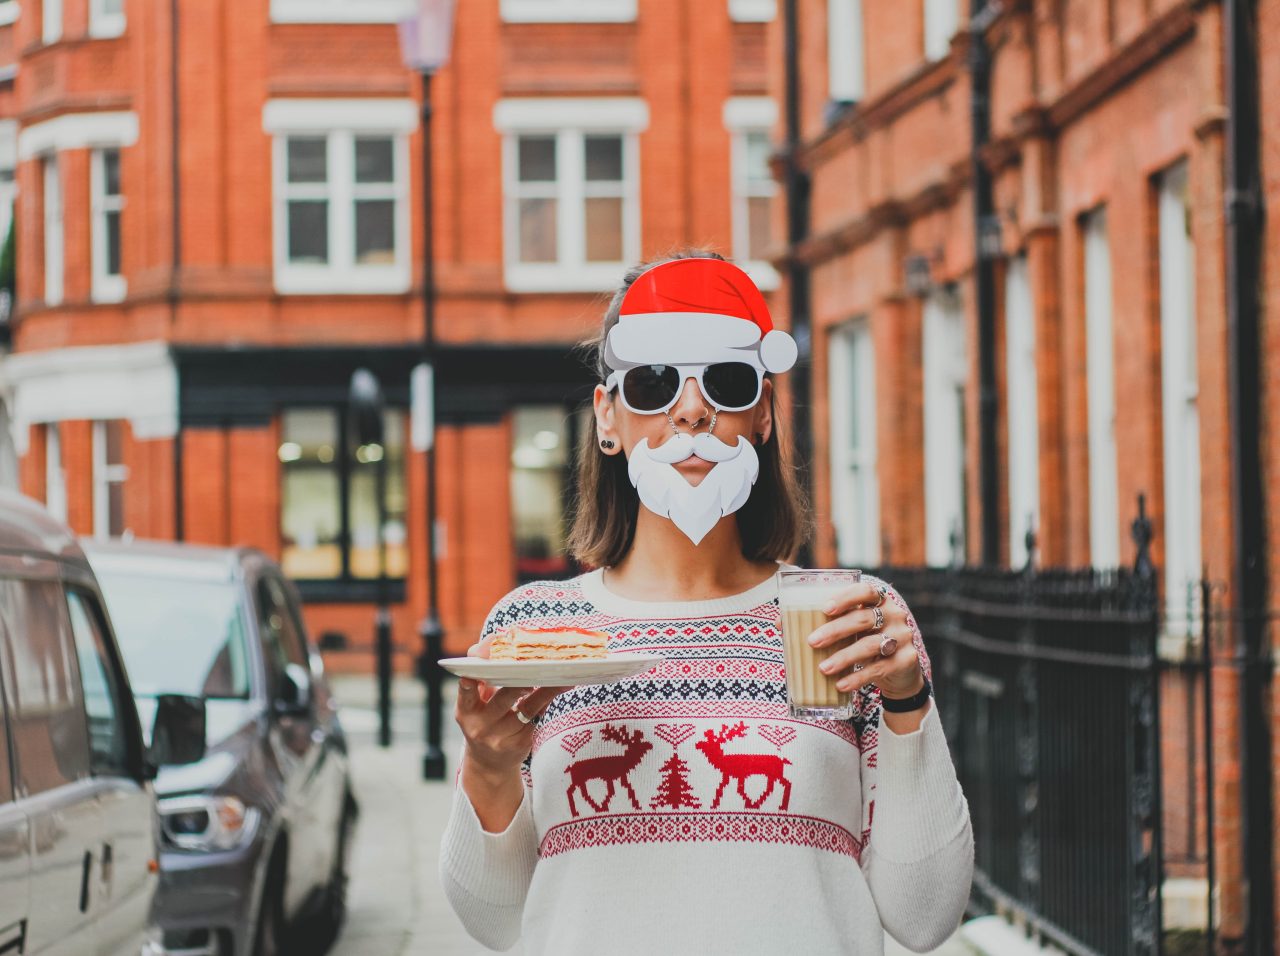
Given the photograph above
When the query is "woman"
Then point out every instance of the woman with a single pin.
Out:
(684, 810)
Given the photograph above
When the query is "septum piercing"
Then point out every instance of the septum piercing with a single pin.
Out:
(710, 428)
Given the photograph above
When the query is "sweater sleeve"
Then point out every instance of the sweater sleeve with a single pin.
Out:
(486, 875)
(919, 856)
(919, 861)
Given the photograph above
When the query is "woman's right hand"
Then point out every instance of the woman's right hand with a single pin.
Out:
(497, 741)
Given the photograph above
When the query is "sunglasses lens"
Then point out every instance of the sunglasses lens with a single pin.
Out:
(731, 384)
(648, 388)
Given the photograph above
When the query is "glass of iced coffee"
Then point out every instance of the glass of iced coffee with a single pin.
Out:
(802, 595)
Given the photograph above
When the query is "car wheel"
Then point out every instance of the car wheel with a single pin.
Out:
(270, 934)
(323, 931)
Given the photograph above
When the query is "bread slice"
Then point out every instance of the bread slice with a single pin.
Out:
(550, 644)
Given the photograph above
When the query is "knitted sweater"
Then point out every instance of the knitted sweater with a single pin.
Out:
(720, 824)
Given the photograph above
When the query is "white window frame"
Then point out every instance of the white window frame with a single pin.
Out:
(753, 11)
(340, 122)
(1104, 495)
(744, 115)
(105, 286)
(568, 11)
(855, 488)
(946, 375)
(50, 21)
(941, 21)
(1180, 387)
(1022, 404)
(846, 52)
(340, 11)
(53, 231)
(104, 476)
(570, 120)
(55, 476)
(104, 24)
(9, 12)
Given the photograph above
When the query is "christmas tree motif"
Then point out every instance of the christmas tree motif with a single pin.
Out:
(674, 790)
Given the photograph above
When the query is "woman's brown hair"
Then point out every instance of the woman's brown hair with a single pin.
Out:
(773, 523)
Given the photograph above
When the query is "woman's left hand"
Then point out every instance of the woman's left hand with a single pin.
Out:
(863, 618)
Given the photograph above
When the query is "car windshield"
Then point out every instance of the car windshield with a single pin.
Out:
(178, 636)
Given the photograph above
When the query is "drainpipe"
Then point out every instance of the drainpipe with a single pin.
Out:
(1244, 215)
(981, 13)
(797, 191)
(175, 241)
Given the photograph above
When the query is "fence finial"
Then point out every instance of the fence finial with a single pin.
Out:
(1142, 533)
(1029, 539)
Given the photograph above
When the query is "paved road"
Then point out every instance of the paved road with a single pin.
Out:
(397, 907)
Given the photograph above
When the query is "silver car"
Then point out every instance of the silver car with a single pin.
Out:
(255, 836)
(78, 833)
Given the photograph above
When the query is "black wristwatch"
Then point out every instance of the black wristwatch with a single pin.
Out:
(904, 705)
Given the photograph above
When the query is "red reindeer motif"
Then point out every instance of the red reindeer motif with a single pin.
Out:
(742, 766)
(612, 769)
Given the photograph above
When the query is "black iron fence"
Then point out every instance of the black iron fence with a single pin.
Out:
(1049, 690)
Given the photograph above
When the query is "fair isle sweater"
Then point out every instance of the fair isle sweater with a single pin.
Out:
(717, 823)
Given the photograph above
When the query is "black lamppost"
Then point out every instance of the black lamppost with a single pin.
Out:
(365, 420)
(425, 39)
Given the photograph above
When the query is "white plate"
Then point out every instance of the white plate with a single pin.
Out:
(602, 670)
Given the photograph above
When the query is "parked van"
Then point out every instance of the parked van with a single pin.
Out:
(78, 828)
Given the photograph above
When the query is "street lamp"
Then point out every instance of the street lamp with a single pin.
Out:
(425, 39)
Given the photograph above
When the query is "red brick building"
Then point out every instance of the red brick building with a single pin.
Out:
(219, 220)
(1110, 352)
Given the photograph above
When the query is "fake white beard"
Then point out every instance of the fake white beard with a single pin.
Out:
(695, 509)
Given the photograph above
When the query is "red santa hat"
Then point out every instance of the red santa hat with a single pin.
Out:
(691, 311)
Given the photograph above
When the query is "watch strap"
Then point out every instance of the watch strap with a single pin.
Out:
(904, 705)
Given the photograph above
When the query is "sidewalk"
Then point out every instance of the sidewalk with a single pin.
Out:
(397, 907)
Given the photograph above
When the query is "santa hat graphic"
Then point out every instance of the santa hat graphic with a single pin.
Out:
(692, 311)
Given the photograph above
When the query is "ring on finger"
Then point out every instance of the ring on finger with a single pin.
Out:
(883, 591)
(887, 646)
(878, 626)
(520, 716)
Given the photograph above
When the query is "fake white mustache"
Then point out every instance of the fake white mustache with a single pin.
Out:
(704, 444)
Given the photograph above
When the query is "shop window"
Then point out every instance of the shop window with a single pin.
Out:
(539, 473)
(330, 514)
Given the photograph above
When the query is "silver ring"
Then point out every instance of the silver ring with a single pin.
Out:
(521, 717)
(883, 591)
(887, 646)
(879, 624)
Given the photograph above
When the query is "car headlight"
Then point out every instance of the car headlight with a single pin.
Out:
(207, 822)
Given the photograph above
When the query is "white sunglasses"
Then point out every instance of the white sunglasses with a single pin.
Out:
(654, 389)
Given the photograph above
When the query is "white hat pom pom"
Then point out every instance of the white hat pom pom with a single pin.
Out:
(778, 351)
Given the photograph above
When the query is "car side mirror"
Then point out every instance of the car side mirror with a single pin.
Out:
(178, 733)
(293, 699)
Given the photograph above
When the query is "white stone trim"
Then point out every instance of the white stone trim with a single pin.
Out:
(381, 115)
(568, 11)
(78, 131)
(104, 25)
(339, 11)
(137, 381)
(623, 114)
(753, 11)
(10, 10)
(750, 112)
